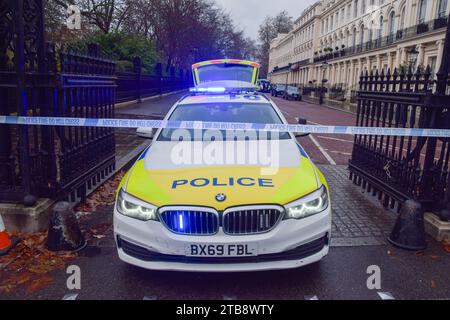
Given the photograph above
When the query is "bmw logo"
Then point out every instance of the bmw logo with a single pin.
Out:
(221, 197)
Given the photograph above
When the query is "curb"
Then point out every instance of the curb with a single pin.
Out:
(123, 105)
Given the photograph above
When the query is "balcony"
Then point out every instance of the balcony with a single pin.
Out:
(382, 42)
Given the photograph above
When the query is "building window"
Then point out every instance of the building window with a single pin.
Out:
(432, 61)
(355, 9)
(361, 36)
(363, 7)
(392, 22)
(380, 30)
(442, 9)
(422, 11)
(402, 18)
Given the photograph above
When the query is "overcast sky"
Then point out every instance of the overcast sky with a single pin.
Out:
(248, 14)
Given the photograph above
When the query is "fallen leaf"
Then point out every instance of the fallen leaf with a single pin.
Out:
(38, 284)
(433, 284)
(446, 245)
(420, 253)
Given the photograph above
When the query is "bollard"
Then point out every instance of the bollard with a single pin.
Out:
(409, 229)
(64, 233)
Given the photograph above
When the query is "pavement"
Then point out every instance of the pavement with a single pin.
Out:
(360, 228)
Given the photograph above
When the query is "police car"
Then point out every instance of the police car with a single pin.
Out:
(223, 200)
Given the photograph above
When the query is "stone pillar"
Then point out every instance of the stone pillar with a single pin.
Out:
(402, 56)
(389, 55)
(440, 45)
(379, 66)
(397, 57)
(421, 56)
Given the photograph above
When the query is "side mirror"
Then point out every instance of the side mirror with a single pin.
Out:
(303, 122)
(144, 133)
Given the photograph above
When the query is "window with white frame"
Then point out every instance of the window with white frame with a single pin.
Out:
(392, 23)
(442, 9)
(422, 11)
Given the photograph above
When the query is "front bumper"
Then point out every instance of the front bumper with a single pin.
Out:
(293, 243)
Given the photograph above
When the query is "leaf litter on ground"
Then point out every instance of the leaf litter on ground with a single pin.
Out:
(30, 264)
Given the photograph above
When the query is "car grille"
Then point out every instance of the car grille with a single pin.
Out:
(252, 221)
(188, 222)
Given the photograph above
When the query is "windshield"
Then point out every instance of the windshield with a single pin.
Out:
(223, 72)
(295, 89)
(226, 112)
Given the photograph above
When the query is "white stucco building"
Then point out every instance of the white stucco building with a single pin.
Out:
(337, 39)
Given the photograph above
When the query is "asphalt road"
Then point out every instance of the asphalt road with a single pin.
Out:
(341, 275)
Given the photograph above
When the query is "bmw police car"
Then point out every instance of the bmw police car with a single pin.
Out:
(208, 201)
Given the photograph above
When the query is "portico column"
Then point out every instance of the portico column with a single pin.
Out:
(390, 61)
(379, 63)
(421, 56)
(402, 56)
(440, 45)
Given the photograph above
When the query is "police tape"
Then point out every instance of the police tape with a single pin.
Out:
(225, 126)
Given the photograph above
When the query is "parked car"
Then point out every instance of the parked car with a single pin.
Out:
(278, 90)
(293, 93)
(264, 85)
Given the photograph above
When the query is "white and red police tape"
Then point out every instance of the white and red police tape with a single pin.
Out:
(227, 126)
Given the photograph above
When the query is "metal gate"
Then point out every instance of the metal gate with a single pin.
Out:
(35, 80)
(401, 168)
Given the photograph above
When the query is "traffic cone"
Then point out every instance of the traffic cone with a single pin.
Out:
(6, 242)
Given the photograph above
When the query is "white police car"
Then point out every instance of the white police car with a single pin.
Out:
(222, 200)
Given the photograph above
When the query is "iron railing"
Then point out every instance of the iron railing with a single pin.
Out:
(401, 168)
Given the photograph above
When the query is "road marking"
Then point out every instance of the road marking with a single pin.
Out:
(325, 154)
(317, 144)
(335, 139)
(341, 153)
(70, 296)
(386, 296)
(150, 298)
(311, 298)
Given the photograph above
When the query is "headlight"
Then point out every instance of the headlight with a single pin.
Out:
(313, 203)
(132, 207)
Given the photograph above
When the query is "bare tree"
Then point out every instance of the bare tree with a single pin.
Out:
(268, 30)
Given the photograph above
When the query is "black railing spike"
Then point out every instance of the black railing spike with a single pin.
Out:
(427, 77)
(410, 71)
(388, 80)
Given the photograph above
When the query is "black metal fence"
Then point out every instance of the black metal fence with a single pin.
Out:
(84, 156)
(401, 168)
(137, 85)
(36, 80)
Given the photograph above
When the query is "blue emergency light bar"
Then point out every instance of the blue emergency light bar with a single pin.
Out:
(208, 90)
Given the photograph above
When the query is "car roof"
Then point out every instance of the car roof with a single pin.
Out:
(225, 98)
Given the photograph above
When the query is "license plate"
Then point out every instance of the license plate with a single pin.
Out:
(221, 250)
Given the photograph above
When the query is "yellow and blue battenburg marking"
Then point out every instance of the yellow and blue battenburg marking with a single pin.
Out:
(253, 66)
(159, 182)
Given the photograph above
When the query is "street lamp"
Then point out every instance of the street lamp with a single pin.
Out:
(413, 54)
(324, 68)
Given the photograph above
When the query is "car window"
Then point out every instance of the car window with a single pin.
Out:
(225, 112)
(221, 72)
